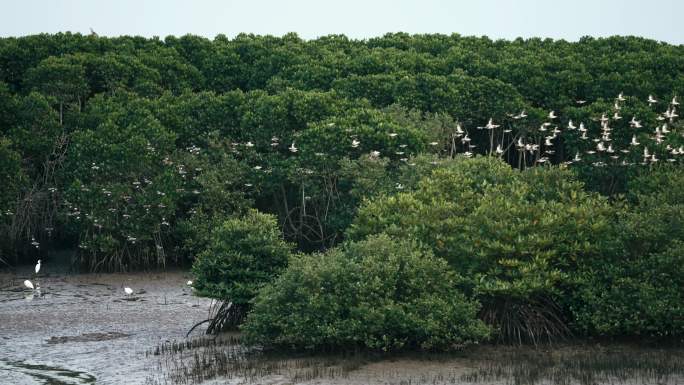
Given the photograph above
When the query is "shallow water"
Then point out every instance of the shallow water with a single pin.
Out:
(82, 329)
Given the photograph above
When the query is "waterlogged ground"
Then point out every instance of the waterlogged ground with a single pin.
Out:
(82, 329)
(586, 364)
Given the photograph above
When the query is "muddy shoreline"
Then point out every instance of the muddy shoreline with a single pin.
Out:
(83, 329)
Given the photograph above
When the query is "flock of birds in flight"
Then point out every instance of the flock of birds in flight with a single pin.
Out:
(535, 150)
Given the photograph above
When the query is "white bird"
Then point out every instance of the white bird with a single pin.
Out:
(521, 115)
(28, 284)
(581, 102)
(375, 154)
(37, 266)
(355, 143)
(634, 141)
(392, 134)
(499, 150)
(249, 144)
(490, 124)
(552, 115)
(651, 100)
(674, 101)
(571, 126)
(433, 143)
(189, 283)
(621, 97)
(292, 148)
(128, 290)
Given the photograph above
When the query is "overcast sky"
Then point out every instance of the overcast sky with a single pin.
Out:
(656, 19)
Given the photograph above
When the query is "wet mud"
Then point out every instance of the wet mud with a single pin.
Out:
(83, 329)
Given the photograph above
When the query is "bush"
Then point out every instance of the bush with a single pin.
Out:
(378, 294)
(516, 236)
(639, 297)
(243, 254)
(641, 292)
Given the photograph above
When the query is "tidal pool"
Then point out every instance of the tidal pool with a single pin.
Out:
(83, 329)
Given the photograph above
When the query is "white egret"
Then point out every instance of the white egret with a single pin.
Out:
(571, 126)
(189, 283)
(651, 100)
(293, 148)
(37, 266)
(28, 284)
(128, 290)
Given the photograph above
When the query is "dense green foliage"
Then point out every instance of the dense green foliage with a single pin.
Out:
(516, 236)
(243, 254)
(569, 217)
(641, 291)
(380, 294)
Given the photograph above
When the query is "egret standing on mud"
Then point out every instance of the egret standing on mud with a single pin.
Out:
(128, 290)
(37, 266)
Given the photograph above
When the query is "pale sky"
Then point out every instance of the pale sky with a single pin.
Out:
(656, 19)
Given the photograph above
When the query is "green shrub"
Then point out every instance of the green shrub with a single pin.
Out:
(378, 294)
(517, 237)
(639, 297)
(243, 254)
(642, 291)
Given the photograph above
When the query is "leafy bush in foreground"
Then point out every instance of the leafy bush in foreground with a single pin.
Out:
(379, 294)
(515, 236)
(642, 291)
(243, 254)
